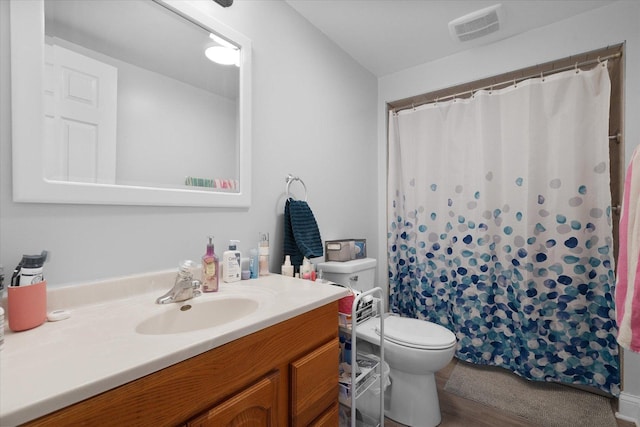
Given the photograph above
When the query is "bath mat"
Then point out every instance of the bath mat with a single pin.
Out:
(545, 404)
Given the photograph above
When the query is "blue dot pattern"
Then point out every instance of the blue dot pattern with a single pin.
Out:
(535, 299)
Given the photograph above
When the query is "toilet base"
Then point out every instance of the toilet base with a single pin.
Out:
(413, 399)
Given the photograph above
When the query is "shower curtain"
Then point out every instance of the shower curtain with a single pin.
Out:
(499, 226)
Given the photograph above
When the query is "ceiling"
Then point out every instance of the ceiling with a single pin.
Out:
(386, 36)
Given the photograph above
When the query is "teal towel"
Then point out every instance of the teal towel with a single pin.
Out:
(301, 234)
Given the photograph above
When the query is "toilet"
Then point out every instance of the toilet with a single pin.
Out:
(414, 349)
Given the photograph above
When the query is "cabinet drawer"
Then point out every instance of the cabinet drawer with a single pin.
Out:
(314, 383)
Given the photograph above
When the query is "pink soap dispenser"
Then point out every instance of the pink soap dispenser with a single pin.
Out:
(210, 269)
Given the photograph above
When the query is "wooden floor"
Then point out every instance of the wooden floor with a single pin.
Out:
(460, 412)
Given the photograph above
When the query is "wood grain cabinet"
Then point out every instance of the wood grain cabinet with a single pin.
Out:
(282, 375)
(314, 385)
(255, 406)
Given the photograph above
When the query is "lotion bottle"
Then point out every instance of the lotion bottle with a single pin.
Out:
(232, 268)
(210, 269)
(305, 269)
(253, 263)
(287, 268)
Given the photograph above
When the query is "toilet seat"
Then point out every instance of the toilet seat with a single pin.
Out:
(416, 333)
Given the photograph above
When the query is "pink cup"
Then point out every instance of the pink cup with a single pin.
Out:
(27, 306)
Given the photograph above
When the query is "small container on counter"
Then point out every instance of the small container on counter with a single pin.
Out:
(287, 268)
(263, 250)
(27, 294)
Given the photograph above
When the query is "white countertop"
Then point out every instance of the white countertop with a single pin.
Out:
(97, 348)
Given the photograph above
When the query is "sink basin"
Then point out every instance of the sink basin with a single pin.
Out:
(197, 314)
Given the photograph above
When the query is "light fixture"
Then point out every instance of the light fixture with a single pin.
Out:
(224, 3)
(223, 53)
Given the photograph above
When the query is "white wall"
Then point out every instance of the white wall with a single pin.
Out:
(314, 116)
(615, 23)
(168, 130)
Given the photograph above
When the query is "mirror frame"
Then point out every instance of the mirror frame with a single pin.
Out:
(27, 74)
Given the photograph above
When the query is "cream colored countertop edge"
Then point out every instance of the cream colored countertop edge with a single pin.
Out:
(60, 363)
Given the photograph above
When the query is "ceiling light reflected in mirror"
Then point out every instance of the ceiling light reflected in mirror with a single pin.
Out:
(224, 53)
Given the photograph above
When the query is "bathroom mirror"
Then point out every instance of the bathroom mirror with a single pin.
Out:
(116, 103)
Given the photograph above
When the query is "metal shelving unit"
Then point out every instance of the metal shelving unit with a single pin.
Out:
(369, 370)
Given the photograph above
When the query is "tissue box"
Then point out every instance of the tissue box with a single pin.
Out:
(345, 250)
(340, 250)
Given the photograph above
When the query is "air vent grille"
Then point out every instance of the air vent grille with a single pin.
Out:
(477, 24)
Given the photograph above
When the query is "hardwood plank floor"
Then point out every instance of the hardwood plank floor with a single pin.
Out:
(460, 412)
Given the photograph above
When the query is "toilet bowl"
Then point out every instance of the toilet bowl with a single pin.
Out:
(414, 349)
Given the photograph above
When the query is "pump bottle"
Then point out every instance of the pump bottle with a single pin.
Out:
(232, 268)
(210, 269)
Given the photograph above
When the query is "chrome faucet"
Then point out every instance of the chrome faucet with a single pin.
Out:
(185, 286)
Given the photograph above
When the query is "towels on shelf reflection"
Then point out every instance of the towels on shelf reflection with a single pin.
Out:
(628, 277)
(301, 233)
(217, 183)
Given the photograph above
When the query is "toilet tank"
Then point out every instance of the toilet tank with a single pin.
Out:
(358, 273)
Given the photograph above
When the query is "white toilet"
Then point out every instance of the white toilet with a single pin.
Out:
(414, 349)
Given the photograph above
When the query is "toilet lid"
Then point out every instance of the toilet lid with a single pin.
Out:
(416, 333)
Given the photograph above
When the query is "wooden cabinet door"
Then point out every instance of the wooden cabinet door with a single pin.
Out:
(256, 406)
(329, 418)
(314, 383)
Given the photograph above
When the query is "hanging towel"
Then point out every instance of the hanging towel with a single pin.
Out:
(301, 234)
(628, 278)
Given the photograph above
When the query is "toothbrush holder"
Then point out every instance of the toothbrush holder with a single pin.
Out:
(27, 306)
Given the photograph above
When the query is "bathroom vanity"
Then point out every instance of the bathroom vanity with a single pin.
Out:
(275, 365)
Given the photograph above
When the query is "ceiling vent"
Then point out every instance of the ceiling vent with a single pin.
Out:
(477, 24)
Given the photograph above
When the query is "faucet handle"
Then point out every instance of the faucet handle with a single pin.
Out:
(195, 286)
(186, 268)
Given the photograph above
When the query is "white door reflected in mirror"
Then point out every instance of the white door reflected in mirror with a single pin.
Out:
(80, 109)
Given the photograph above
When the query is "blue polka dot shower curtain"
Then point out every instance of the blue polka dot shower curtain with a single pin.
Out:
(499, 226)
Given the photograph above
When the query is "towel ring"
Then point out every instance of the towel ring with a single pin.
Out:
(290, 178)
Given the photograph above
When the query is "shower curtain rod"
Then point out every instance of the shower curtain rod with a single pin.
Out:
(512, 81)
